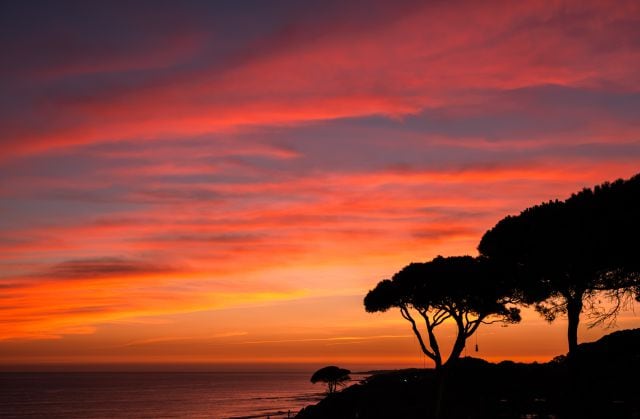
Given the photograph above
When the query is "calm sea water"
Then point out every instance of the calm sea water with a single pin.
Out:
(155, 395)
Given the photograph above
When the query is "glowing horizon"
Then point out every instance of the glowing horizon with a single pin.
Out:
(211, 183)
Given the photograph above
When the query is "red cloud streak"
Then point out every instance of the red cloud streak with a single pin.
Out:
(199, 184)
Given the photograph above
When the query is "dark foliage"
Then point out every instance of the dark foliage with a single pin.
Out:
(332, 376)
(465, 289)
(567, 255)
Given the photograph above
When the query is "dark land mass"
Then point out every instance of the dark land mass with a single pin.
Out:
(603, 381)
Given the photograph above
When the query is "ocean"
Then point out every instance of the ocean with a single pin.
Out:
(219, 395)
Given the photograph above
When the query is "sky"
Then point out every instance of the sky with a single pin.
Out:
(223, 181)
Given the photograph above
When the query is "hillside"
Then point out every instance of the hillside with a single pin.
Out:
(604, 385)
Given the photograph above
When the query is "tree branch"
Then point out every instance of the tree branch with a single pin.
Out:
(439, 317)
(493, 321)
(473, 326)
(466, 320)
(433, 341)
(405, 313)
(621, 299)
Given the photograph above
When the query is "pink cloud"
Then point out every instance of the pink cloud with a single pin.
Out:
(312, 157)
(435, 56)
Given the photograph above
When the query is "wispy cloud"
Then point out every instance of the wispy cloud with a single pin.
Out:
(161, 163)
(102, 268)
(179, 339)
(330, 339)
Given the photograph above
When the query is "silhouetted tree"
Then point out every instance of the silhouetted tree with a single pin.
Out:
(565, 256)
(332, 376)
(462, 288)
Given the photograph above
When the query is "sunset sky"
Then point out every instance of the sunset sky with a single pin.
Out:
(223, 181)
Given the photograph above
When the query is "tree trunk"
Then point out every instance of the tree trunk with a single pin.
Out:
(433, 342)
(574, 399)
(438, 363)
(458, 345)
(457, 349)
(441, 373)
(574, 308)
(441, 379)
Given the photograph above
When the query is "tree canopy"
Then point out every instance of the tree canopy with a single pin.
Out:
(332, 376)
(565, 255)
(467, 290)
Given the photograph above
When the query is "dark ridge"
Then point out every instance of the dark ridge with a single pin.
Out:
(604, 380)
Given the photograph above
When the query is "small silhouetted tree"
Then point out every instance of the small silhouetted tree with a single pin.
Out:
(332, 376)
(464, 289)
(566, 256)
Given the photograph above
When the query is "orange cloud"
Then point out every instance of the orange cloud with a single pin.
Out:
(183, 173)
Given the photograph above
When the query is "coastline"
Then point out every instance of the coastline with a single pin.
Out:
(592, 385)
